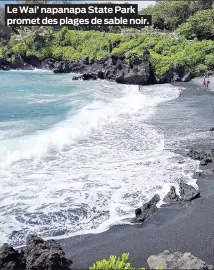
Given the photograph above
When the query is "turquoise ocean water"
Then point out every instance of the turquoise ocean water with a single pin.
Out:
(77, 157)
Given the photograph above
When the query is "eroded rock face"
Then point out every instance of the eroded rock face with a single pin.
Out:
(171, 196)
(187, 192)
(177, 260)
(148, 209)
(44, 255)
(11, 259)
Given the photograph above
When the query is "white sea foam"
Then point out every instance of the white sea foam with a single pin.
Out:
(92, 169)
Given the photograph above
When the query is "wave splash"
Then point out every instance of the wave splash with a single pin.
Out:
(92, 169)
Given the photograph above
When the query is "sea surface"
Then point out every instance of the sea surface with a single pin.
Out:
(77, 157)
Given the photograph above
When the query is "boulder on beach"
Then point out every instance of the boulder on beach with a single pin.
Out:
(77, 78)
(148, 209)
(204, 157)
(207, 172)
(10, 259)
(42, 255)
(177, 260)
(188, 192)
(90, 76)
(37, 255)
(171, 196)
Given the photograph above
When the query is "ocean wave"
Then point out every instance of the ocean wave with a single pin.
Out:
(90, 170)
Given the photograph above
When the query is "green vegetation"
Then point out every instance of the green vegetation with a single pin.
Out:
(170, 14)
(166, 52)
(201, 25)
(114, 263)
(192, 47)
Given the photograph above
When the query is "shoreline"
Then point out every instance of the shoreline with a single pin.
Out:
(173, 227)
(170, 229)
(184, 227)
(134, 70)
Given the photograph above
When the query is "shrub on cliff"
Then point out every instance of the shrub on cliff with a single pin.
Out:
(166, 52)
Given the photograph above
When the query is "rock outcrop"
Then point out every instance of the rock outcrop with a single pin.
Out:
(177, 260)
(148, 209)
(132, 70)
(171, 196)
(204, 157)
(4, 64)
(187, 192)
(40, 254)
(37, 255)
(115, 68)
(48, 64)
(32, 60)
(10, 259)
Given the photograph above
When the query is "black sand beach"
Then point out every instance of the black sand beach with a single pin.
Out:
(188, 227)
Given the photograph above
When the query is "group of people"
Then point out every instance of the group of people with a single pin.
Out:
(206, 82)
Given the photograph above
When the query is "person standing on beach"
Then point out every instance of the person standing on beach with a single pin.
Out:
(204, 81)
(181, 91)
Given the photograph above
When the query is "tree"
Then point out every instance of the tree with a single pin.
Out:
(170, 14)
(201, 26)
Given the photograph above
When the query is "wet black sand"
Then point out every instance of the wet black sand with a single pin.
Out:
(189, 227)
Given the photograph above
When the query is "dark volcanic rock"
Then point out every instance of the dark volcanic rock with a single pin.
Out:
(11, 259)
(148, 209)
(85, 60)
(19, 63)
(174, 75)
(207, 172)
(4, 64)
(204, 157)
(44, 255)
(187, 77)
(171, 196)
(48, 64)
(77, 78)
(139, 71)
(188, 193)
(177, 260)
(32, 60)
(211, 129)
(62, 67)
(89, 76)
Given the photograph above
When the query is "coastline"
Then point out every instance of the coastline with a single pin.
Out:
(185, 227)
(134, 70)
(176, 227)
